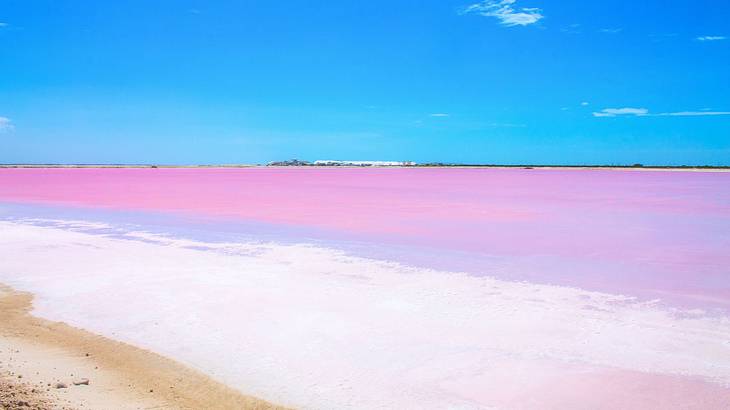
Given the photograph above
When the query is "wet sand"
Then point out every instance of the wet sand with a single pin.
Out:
(50, 365)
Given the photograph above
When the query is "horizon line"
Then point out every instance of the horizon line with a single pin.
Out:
(416, 165)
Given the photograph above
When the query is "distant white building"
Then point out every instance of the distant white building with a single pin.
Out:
(338, 163)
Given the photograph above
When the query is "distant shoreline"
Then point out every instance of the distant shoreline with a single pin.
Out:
(484, 166)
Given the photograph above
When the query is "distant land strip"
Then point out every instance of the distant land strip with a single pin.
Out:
(416, 165)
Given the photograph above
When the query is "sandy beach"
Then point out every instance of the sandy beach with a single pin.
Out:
(51, 365)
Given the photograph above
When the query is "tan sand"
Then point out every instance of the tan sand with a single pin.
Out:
(39, 357)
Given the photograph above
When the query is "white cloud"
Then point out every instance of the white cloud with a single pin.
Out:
(613, 112)
(711, 38)
(585, 103)
(505, 12)
(6, 125)
(643, 112)
(439, 114)
(611, 30)
(693, 113)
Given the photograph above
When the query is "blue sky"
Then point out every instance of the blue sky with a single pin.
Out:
(505, 81)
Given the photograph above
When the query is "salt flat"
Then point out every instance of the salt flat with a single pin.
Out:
(314, 327)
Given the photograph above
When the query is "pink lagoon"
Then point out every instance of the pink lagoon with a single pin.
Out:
(404, 287)
(663, 234)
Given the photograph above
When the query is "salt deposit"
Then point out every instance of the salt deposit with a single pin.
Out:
(314, 327)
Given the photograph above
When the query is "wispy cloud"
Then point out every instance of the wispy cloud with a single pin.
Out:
(505, 12)
(3, 24)
(6, 125)
(572, 29)
(585, 103)
(506, 125)
(610, 30)
(643, 112)
(711, 38)
(439, 114)
(693, 113)
(614, 112)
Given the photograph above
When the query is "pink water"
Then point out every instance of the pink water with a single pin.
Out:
(657, 234)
